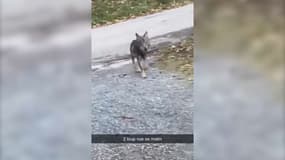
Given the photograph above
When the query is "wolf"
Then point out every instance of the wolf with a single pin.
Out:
(139, 49)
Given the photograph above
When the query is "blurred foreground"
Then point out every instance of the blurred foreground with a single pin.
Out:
(239, 80)
(45, 53)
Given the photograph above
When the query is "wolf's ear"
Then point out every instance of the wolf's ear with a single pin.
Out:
(137, 35)
(145, 34)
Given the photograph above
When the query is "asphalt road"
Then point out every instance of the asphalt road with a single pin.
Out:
(115, 39)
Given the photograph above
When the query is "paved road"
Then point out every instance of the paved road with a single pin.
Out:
(115, 39)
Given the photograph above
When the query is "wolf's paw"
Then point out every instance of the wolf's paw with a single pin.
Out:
(138, 70)
(143, 75)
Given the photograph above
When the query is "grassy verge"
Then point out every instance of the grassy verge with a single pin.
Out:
(178, 58)
(112, 11)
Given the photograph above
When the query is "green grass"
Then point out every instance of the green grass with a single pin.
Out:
(111, 11)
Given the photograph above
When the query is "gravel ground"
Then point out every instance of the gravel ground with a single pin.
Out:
(123, 102)
(142, 152)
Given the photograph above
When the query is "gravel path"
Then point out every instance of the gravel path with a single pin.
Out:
(123, 102)
(142, 152)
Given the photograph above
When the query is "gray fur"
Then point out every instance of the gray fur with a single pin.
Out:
(139, 48)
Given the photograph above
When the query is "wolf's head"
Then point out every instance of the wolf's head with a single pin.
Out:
(145, 40)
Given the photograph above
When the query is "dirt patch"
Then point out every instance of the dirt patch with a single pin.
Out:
(178, 58)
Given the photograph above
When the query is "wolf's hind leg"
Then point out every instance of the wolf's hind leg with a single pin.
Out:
(136, 68)
(133, 62)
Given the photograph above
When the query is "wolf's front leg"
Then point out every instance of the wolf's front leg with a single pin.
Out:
(143, 74)
(141, 68)
(138, 68)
